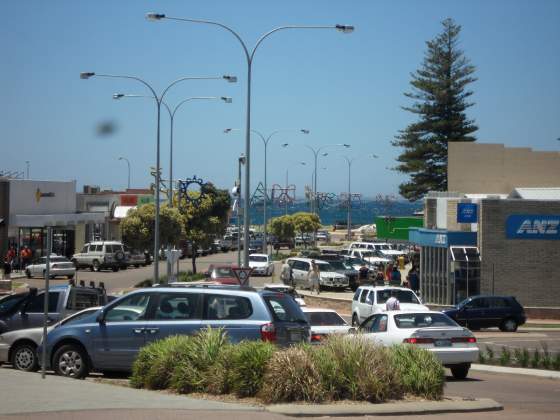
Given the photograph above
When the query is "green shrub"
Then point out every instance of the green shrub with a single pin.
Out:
(145, 359)
(290, 376)
(517, 355)
(556, 362)
(191, 372)
(505, 356)
(536, 359)
(168, 353)
(355, 369)
(524, 360)
(481, 358)
(247, 365)
(144, 283)
(183, 276)
(489, 354)
(279, 256)
(419, 370)
(218, 376)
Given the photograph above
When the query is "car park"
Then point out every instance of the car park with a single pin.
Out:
(454, 346)
(26, 310)
(109, 339)
(58, 267)
(369, 300)
(325, 322)
(261, 264)
(101, 255)
(327, 276)
(19, 348)
(476, 312)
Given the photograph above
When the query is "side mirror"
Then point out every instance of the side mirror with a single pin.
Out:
(100, 317)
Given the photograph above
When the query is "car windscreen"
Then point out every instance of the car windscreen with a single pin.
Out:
(367, 254)
(423, 320)
(324, 266)
(284, 308)
(337, 265)
(222, 272)
(258, 258)
(324, 318)
(8, 303)
(403, 296)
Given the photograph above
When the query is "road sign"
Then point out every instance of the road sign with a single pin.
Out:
(242, 274)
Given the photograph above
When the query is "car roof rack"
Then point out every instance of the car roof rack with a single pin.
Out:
(206, 285)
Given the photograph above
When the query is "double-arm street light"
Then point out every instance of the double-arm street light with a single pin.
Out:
(159, 100)
(226, 99)
(128, 165)
(315, 155)
(287, 182)
(349, 161)
(249, 55)
(265, 142)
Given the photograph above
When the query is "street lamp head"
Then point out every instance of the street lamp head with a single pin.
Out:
(230, 79)
(345, 29)
(325, 154)
(242, 159)
(86, 75)
(304, 131)
(121, 158)
(227, 130)
(303, 163)
(374, 156)
(118, 95)
(226, 99)
(285, 144)
(346, 145)
(155, 16)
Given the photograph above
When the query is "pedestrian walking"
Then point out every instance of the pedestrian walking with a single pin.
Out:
(380, 278)
(25, 256)
(313, 277)
(363, 273)
(393, 303)
(413, 279)
(6, 269)
(388, 272)
(396, 276)
(400, 261)
(286, 274)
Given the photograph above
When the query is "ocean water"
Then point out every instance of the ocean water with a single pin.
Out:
(362, 215)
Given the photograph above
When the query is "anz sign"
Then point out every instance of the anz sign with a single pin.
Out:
(530, 226)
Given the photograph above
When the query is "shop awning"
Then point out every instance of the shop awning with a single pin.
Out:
(121, 211)
(64, 219)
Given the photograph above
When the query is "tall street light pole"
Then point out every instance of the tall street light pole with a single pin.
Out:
(287, 182)
(171, 113)
(128, 165)
(241, 161)
(27, 169)
(159, 100)
(265, 141)
(349, 161)
(249, 55)
(315, 155)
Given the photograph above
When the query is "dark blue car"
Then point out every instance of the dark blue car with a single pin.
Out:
(477, 312)
(110, 339)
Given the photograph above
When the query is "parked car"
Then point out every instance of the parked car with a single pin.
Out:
(222, 273)
(19, 348)
(287, 289)
(110, 339)
(339, 265)
(323, 235)
(287, 243)
(327, 277)
(255, 245)
(369, 300)
(325, 322)
(261, 264)
(59, 266)
(26, 310)
(454, 346)
(134, 257)
(476, 312)
(101, 255)
(371, 256)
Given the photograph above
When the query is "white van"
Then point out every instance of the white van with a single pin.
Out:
(327, 278)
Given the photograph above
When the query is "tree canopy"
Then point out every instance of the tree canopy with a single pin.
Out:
(440, 101)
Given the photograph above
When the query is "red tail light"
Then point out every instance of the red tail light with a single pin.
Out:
(463, 340)
(415, 340)
(268, 332)
(316, 337)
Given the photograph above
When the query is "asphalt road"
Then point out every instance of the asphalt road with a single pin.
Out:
(530, 340)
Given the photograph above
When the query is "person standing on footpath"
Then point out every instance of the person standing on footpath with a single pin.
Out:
(396, 276)
(286, 274)
(413, 279)
(313, 277)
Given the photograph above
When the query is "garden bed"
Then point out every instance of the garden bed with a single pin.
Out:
(522, 358)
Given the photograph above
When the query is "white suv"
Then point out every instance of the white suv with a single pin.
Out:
(384, 248)
(369, 300)
(101, 255)
(327, 278)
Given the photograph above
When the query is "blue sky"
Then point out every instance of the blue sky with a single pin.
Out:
(344, 88)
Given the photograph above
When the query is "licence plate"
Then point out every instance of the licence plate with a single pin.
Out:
(295, 336)
(442, 343)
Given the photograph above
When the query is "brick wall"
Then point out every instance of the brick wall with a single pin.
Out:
(526, 268)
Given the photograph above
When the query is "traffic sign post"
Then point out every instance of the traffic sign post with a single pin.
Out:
(242, 274)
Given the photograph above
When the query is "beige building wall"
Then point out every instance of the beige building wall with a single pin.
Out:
(478, 168)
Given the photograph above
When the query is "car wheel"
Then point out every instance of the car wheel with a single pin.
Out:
(95, 266)
(115, 269)
(355, 322)
(460, 371)
(71, 361)
(136, 265)
(28, 274)
(70, 276)
(509, 325)
(24, 357)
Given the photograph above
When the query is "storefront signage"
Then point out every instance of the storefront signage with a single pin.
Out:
(39, 194)
(129, 200)
(467, 213)
(531, 226)
(146, 199)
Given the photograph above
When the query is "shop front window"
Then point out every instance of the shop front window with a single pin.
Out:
(466, 262)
